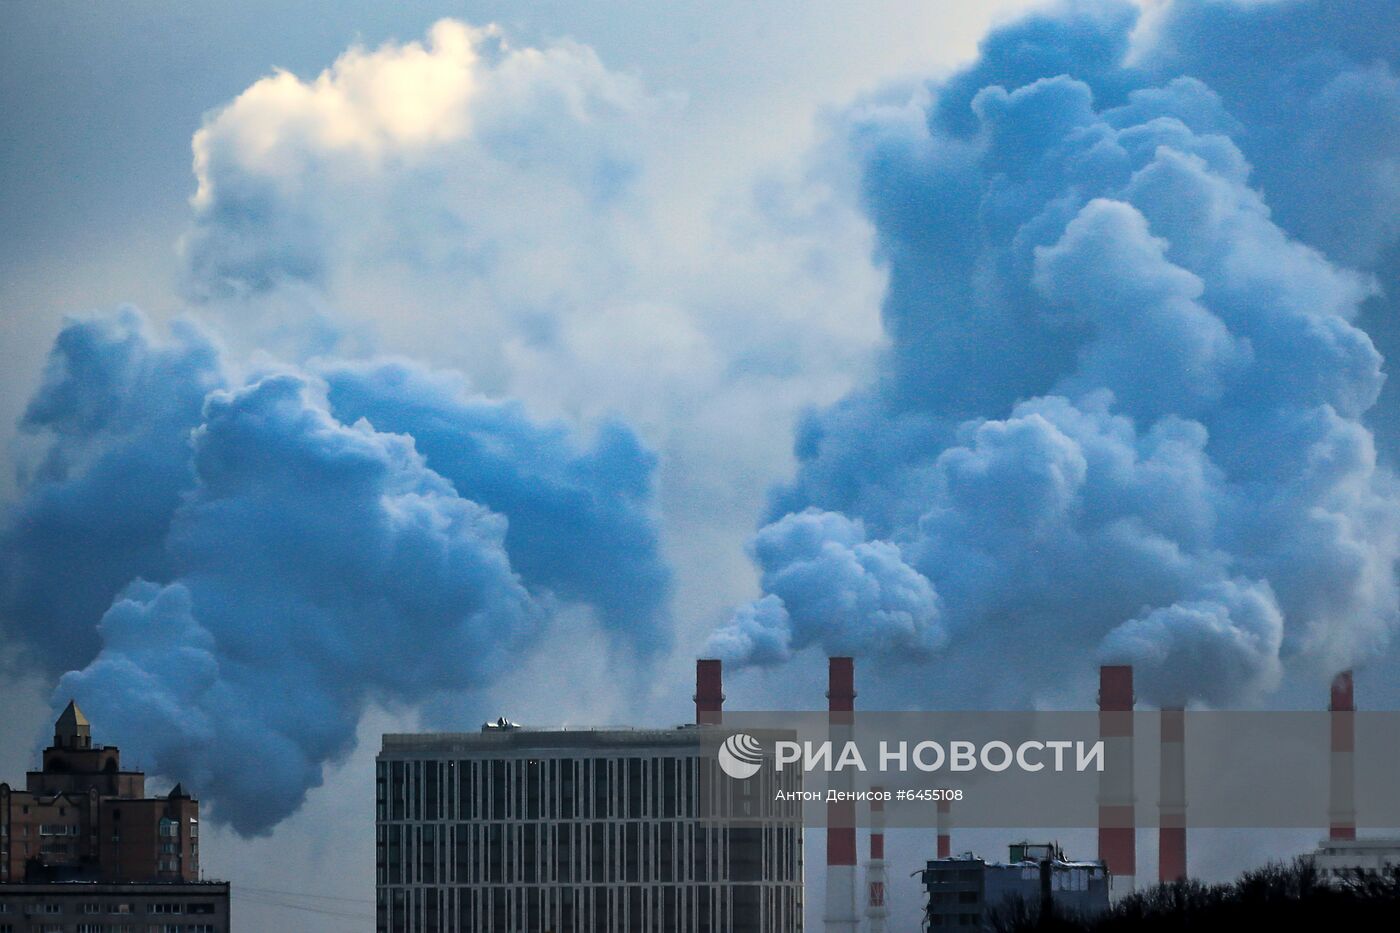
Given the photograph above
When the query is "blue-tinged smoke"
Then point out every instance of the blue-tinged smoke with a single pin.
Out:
(116, 407)
(1125, 410)
(580, 521)
(299, 554)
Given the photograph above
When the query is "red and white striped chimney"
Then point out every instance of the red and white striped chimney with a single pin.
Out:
(945, 822)
(1117, 824)
(709, 692)
(1171, 832)
(875, 909)
(841, 912)
(1341, 810)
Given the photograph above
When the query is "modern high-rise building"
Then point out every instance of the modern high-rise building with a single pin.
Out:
(574, 831)
(83, 848)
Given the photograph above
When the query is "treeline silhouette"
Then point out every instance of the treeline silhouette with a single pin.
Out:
(1285, 896)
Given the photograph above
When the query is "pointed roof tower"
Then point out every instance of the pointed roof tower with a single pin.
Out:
(72, 729)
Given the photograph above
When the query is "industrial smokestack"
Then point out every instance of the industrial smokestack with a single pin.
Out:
(1117, 825)
(841, 912)
(1341, 811)
(945, 837)
(1171, 834)
(709, 692)
(875, 910)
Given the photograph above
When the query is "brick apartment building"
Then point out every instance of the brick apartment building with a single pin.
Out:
(83, 848)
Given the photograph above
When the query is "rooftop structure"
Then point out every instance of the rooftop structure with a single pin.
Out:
(603, 830)
(964, 891)
(83, 840)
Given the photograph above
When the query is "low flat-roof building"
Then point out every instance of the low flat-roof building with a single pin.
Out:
(964, 891)
(1340, 860)
(128, 907)
(572, 831)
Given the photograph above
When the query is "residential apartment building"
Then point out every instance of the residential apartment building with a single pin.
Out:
(83, 848)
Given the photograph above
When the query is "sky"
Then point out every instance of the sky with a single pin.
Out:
(375, 367)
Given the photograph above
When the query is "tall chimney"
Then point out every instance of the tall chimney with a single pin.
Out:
(1117, 825)
(841, 912)
(1171, 832)
(709, 692)
(875, 910)
(945, 838)
(1341, 811)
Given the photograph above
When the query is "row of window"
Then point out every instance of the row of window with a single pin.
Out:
(132, 928)
(595, 852)
(129, 928)
(118, 928)
(169, 828)
(602, 909)
(516, 789)
(538, 788)
(99, 907)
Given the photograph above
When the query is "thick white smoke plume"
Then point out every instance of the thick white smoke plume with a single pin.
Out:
(1125, 406)
(491, 207)
(270, 554)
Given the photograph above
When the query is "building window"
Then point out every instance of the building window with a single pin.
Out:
(169, 828)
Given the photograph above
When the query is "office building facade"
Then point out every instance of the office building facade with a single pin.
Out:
(573, 831)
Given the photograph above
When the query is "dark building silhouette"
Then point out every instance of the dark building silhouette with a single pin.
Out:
(965, 892)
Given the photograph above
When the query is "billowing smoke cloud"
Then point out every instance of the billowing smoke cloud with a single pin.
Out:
(436, 140)
(580, 521)
(299, 554)
(116, 407)
(567, 235)
(828, 585)
(1123, 411)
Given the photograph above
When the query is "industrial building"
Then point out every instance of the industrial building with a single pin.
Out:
(963, 891)
(1343, 857)
(1343, 860)
(576, 831)
(83, 848)
(606, 830)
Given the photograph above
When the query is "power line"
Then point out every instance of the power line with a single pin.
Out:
(322, 911)
(319, 897)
